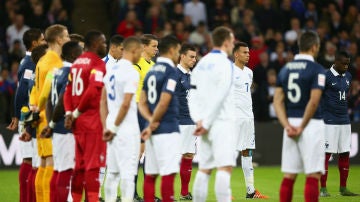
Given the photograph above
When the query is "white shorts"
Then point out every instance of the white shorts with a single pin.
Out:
(122, 153)
(162, 153)
(337, 138)
(218, 147)
(36, 159)
(63, 151)
(307, 153)
(26, 149)
(188, 139)
(246, 133)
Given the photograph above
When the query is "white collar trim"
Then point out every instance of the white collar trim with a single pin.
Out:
(165, 60)
(304, 57)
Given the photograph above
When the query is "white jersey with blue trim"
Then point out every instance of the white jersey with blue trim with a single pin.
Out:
(120, 79)
(242, 82)
(110, 61)
(210, 97)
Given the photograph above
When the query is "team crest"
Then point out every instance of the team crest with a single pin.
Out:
(347, 82)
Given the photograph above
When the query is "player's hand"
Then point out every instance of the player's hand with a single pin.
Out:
(68, 121)
(146, 133)
(200, 130)
(14, 124)
(47, 132)
(293, 132)
(154, 125)
(25, 136)
(108, 135)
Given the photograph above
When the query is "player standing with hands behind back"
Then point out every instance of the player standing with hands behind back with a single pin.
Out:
(296, 100)
(212, 107)
(337, 121)
(160, 108)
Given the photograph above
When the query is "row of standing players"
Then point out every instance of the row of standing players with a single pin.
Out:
(215, 77)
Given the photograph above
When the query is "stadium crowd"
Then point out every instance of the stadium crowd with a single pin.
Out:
(271, 27)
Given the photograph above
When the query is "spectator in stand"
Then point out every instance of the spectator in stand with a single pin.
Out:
(180, 31)
(198, 36)
(278, 57)
(218, 15)
(196, 10)
(38, 17)
(238, 12)
(311, 11)
(327, 59)
(285, 14)
(354, 101)
(176, 12)
(336, 24)
(154, 19)
(16, 53)
(267, 15)
(260, 78)
(257, 47)
(271, 84)
(351, 16)
(128, 26)
(16, 31)
(7, 90)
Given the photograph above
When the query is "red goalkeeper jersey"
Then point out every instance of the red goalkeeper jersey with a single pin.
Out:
(83, 91)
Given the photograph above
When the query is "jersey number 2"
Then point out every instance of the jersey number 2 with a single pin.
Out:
(151, 94)
(294, 96)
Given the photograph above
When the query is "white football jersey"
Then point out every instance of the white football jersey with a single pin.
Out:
(110, 61)
(242, 81)
(120, 79)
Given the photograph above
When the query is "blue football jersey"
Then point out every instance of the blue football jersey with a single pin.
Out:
(298, 78)
(162, 78)
(182, 91)
(335, 98)
(58, 86)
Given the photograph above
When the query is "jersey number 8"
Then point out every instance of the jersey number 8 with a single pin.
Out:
(151, 94)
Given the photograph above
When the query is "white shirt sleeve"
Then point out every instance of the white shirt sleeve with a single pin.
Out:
(132, 82)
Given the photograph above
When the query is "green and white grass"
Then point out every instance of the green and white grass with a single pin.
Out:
(267, 181)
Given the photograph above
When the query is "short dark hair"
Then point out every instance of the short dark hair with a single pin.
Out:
(54, 31)
(38, 52)
(69, 49)
(220, 34)
(116, 40)
(307, 40)
(91, 36)
(76, 37)
(166, 43)
(131, 41)
(146, 38)
(31, 35)
(185, 47)
(238, 45)
(341, 54)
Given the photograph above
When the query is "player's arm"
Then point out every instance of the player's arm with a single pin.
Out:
(311, 107)
(143, 107)
(33, 97)
(47, 131)
(45, 91)
(279, 106)
(68, 103)
(103, 107)
(91, 92)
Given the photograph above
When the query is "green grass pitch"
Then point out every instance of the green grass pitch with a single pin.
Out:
(267, 181)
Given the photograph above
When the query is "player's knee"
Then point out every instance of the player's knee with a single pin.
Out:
(247, 153)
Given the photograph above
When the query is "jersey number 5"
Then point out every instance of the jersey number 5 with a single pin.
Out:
(294, 96)
(151, 94)
(77, 83)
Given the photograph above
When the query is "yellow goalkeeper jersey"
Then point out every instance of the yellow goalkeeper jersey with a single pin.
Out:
(142, 67)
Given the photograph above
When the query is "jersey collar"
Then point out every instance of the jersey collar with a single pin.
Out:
(304, 57)
(28, 53)
(67, 64)
(112, 58)
(165, 60)
(183, 70)
(334, 72)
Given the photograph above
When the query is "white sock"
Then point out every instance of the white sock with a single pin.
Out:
(111, 185)
(248, 170)
(127, 187)
(222, 186)
(101, 178)
(200, 187)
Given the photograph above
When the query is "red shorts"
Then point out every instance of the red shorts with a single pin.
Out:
(90, 150)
